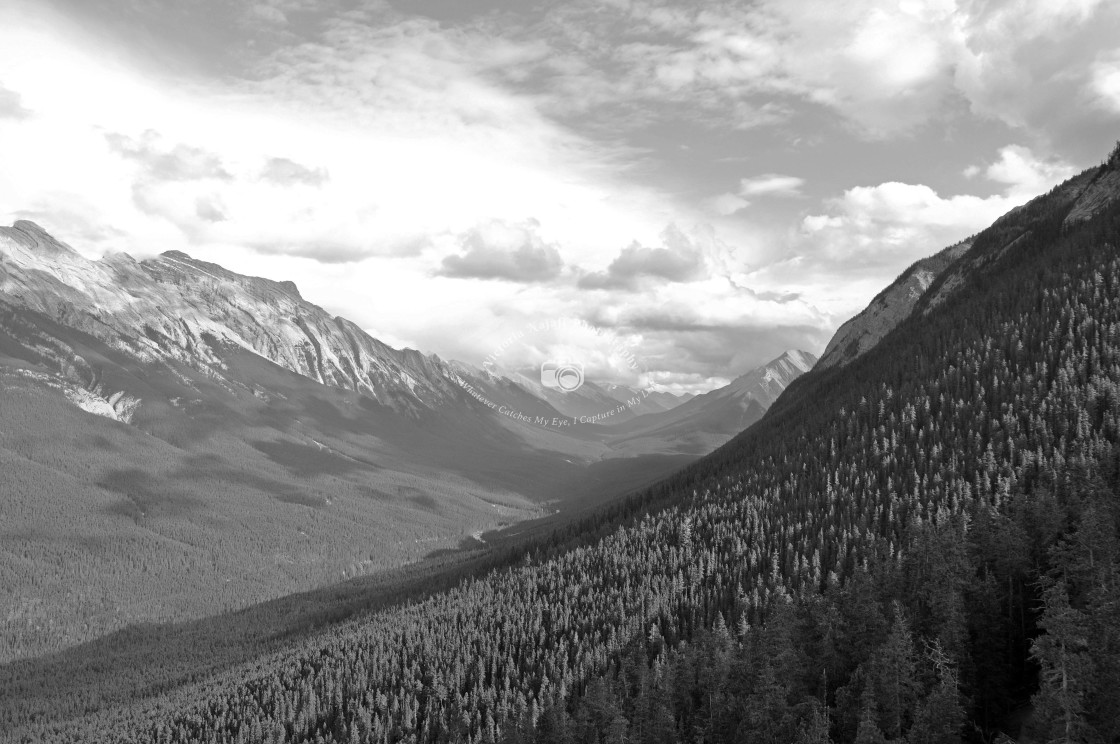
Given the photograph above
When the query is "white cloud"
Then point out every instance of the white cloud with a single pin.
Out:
(883, 65)
(288, 172)
(771, 184)
(728, 204)
(1024, 174)
(370, 143)
(512, 252)
(733, 329)
(11, 105)
(892, 224)
(1034, 64)
(887, 226)
(269, 14)
(678, 258)
(843, 254)
(1106, 83)
(886, 67)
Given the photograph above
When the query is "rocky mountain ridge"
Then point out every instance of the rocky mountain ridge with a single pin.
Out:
(177, 309)
(889, 308)
(1084, 195)
(174, 308)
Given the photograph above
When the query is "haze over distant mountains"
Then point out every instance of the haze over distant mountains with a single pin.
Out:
(707, 421)
(209, 439)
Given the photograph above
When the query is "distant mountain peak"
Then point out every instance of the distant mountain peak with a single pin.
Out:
(803, 360)
(767, 382)
(34, 238)
(29, 226)
(706, 421)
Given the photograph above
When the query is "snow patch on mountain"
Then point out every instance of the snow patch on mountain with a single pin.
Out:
(117, 406)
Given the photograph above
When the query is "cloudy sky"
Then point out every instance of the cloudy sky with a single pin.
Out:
(711, 181)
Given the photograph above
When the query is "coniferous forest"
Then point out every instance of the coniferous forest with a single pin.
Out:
(922, 546)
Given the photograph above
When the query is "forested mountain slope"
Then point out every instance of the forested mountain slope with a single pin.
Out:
(907, 548)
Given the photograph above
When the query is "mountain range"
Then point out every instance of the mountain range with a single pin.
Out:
(209, 440)
(917, 542)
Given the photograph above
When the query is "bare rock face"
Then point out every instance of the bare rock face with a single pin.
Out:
(117, 406)
(291, 288)
(174, 308)
(1101, 192)
(1080, 197)
(31, 237)
(889, 308)
(941, 275)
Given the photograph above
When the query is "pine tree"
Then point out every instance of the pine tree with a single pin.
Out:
(868, 731)
(894, 678)
(1067, 668)
(940, 716)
